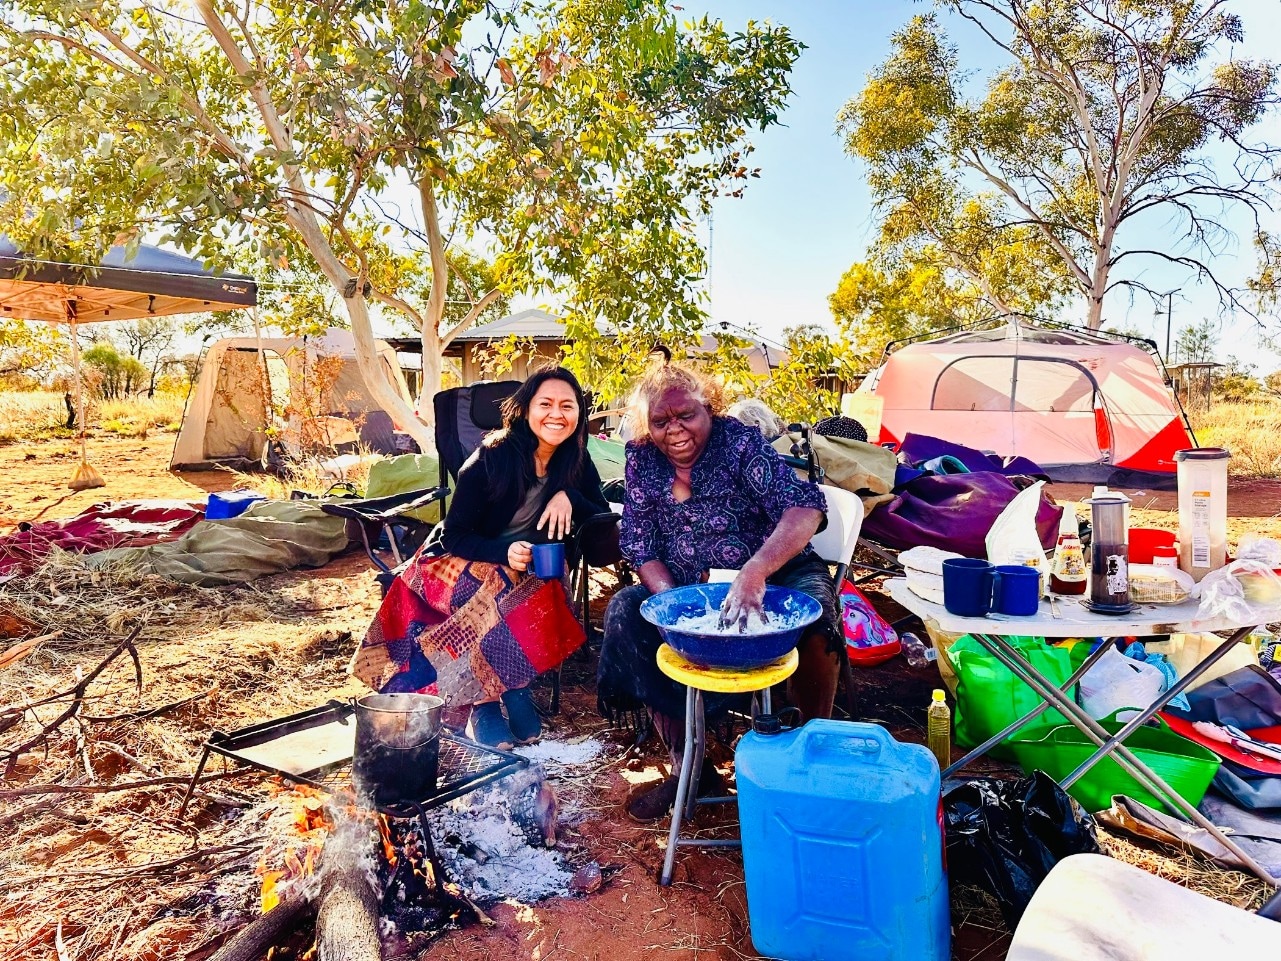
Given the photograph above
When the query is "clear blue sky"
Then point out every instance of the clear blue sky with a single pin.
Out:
(780, 250)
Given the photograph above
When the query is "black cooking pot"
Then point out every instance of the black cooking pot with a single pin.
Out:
(397, 753)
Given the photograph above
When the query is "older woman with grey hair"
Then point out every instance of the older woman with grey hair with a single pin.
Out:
(706, 491)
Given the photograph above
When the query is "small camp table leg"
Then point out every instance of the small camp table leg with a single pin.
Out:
(1011, 658)
(683, 789)
(1032, 715)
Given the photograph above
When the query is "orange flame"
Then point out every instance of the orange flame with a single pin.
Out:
(310, 825)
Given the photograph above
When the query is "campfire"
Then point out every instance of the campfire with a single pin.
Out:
(382, 881)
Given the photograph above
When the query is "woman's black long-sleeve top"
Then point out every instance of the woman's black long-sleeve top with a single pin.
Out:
(477, 518)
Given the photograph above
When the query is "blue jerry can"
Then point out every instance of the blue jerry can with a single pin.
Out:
(842, 844)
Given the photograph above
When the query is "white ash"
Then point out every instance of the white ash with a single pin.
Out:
(488, 841)
(562, 753)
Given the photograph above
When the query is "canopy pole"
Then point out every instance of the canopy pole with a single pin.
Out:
(85, 477)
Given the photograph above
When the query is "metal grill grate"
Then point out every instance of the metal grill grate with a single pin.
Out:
(315, 747)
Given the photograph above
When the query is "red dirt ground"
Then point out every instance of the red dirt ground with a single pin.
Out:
(630, 918)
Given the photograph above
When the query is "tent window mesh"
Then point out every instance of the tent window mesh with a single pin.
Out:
(1051, 385)
(975, 383)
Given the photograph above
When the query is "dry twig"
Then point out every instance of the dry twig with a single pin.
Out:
(77, 694)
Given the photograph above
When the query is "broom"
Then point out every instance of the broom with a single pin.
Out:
(85, 478)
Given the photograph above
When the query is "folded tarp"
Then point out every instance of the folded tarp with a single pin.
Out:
(863, 469)
(102, 526)
(609, 456)
(270, 537)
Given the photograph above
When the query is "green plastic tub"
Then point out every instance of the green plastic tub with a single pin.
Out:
(1183, 764)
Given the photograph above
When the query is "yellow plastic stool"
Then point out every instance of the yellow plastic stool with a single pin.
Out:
(756, 681)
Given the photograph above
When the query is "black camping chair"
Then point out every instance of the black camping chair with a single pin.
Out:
(386, 529)
(464, 415)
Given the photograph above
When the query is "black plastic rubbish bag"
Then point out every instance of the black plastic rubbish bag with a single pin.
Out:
(1005, 836)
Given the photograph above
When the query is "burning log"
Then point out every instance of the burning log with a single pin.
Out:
(533, 803)
(347, 922)
(252, 941)
(347, 914)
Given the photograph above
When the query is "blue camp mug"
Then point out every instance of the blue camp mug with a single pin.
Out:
(967, 586)
(549, 560)
(1016, 589)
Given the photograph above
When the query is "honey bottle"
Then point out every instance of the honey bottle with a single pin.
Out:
(1067, 573)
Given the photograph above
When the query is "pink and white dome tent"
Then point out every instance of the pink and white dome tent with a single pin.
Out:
(1087, 406)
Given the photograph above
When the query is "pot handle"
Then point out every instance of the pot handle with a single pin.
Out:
(344, 708)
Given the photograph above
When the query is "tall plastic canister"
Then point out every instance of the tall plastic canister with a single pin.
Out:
(842, 831)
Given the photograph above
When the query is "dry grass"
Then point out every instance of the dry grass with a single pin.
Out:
(30, 414)
(1231, 887)
(36, 414)
(113, 873)
(137, 415)
(1248, 429)
(307, 474)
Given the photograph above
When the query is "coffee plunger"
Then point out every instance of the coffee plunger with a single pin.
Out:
(1109, 556)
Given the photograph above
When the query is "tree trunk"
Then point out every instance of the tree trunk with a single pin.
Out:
(347, 922)
(375, 378)
(433, 365)
(252, 942)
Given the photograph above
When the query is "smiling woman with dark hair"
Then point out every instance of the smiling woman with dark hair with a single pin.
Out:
(464, 619)
(705, 491)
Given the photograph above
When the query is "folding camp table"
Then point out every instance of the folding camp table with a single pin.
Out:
(1068, 617)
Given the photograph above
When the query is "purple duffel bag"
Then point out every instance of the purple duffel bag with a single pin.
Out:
(953, 512)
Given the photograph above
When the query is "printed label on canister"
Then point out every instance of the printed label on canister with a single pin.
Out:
(1200, 528)
(1118, 574)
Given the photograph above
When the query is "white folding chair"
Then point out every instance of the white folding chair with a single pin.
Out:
(835, 543)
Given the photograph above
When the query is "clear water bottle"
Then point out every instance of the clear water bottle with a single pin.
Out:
(938, 729)
(916, 651)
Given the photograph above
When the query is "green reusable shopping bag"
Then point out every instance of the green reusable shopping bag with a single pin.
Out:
(989, 697)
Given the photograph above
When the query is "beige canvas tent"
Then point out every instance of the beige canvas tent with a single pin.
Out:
(306, 391)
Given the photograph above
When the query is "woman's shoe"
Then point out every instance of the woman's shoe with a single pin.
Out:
(487, 726)
(522, 715)
(658, 800)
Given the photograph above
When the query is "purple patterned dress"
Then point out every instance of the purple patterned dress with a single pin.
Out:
(741, 487)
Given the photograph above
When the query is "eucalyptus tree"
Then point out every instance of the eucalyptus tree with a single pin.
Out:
(1105, 115)
(575, 142)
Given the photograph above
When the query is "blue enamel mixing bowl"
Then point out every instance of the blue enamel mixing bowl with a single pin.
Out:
(731, 649)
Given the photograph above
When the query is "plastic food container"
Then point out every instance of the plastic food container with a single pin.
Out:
(1203, 509)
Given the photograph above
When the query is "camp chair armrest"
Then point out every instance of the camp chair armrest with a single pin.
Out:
(425, 497)
(382, 509)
